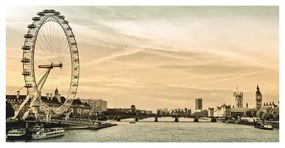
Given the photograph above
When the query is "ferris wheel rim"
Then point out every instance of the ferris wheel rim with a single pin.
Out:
(29, 49)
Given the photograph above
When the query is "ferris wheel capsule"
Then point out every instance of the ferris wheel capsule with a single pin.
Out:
(28, 36)
(26, 73)
(25, 60)
(57, 13)
(28, 85)
(41, 14)
(26, 47)
(36, 18)
(45, 10)
(61, 17)
(52, 11)
(31, 26)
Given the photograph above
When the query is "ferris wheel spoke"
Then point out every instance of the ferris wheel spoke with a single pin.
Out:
(62, 60)
(49, 38)
(41, 44)
(65, 49)
(60, 35)
(62, 54)
(41, 47)
(65, 72)
(50, 35)
(47, 43)
(44, 39)
(59, 39)
(61, 43)
(40, 51)
(56, 42)
(54, 38)
(58, 32)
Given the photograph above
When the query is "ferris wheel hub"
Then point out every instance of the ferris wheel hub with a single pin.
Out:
(51, 66)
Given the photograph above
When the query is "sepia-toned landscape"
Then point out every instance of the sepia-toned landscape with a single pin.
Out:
(142, 74)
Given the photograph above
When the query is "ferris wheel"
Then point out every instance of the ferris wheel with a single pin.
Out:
(50, 58)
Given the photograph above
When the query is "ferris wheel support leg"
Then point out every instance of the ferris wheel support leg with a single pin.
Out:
(67, 116)
(48, 117)
(40, 84)
(43, 80)
(21, 106)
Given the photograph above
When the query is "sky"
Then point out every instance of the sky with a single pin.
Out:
(155, 57)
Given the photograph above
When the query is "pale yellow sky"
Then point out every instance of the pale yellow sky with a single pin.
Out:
(157, 57)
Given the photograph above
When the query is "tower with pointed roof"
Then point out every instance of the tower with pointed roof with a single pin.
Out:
(258, 98)
(238, 96)
(57, 95)
(56, 91)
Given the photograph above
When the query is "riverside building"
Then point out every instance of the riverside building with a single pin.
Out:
(238, 97)
(198, 104)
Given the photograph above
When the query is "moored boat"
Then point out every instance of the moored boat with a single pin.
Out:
(100, 126)
(16, 134)
(263, 126)
(35, 128)
(48, 133)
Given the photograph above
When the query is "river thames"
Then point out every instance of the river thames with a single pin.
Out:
(168, 131)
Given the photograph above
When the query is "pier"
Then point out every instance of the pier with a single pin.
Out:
(72, 124)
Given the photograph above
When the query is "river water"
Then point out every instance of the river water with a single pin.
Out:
(168, 131)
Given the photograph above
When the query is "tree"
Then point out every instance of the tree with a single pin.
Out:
(133, 108)
(264, 115)
(259, 113)
(247, 113)
(274, 112)
(253, 112)
(9, 110)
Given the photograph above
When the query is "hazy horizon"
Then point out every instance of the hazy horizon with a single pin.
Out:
(155, 57)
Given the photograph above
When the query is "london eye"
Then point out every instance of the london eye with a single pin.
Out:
(50, 60)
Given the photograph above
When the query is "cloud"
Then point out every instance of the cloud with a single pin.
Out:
(124, 52)
(213, 68)
(232, 77)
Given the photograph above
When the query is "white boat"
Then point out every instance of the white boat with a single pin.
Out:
(16, 134)
(48, 133)
(35, 128)
(263, 126)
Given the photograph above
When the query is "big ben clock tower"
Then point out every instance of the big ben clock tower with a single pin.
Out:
(258, 98)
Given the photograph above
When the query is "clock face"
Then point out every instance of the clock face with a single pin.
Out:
(258, 97)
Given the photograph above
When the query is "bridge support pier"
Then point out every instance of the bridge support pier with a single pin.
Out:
(176, 119)
(213, 119)
(136, 119)
(118, 118)
(155, 120)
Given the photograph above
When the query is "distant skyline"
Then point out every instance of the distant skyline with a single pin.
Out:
(155, 57)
